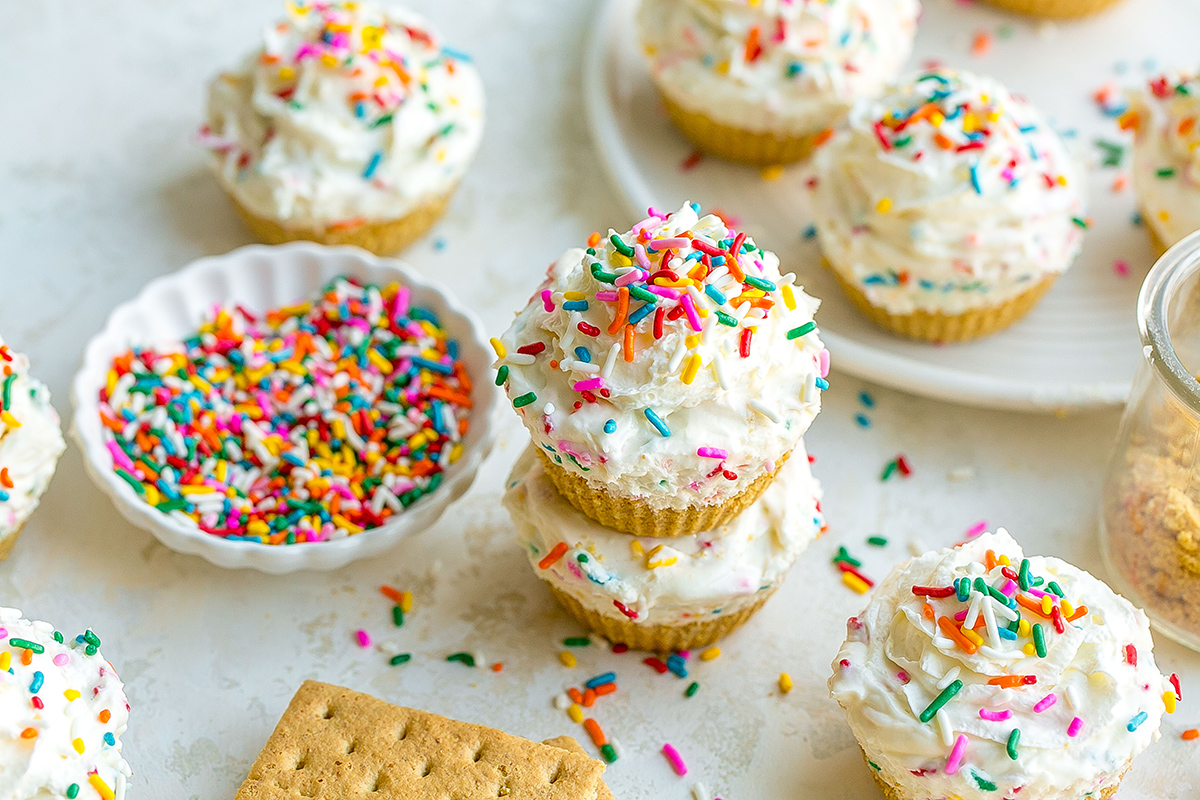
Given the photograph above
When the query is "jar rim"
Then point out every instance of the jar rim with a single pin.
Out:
(1160, 287)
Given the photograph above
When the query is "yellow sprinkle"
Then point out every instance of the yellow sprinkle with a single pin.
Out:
(1004, 560)
(568, 659)
(342, 522)
(936, 119)
(973, 636)
(636, 548)
(376, 358)
(884, 205)
(692, 341)
(575, 713)
(152, 495)
(772, 172)
(9, 420)
(785, 680)
(100, 786)
(78, 745)
(71, 695)
(112, 382)
(856, 583)
(5, 661)
(1029, 649)
(689, 372)
(655, 550)
(1067, 608)
(1164, 216)
(1169, 701)
(406, 601)
(670, 562)
(1023, 628)
(789, 297)
(1046, 605)
(574, 296)
(710, 653)
(620, 260)
(498, 346)
(286, 73)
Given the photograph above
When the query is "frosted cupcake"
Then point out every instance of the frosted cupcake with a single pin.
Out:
(1166, 155)
(978, 673)
(62, 713)
(665, 373)
(948, 207)
(1054, 9)
(352, 124)
(668, 595)
(759, 81)
(30, 444)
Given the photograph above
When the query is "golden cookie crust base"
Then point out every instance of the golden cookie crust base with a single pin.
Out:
(659, 638)
(734, 144)
(383, 238)
(639, 518)
(926, 327)
(1054, 9)
(8, 543)
(337, 744)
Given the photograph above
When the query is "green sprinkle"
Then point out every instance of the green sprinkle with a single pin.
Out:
(384, 120)
(642, 294)
(759, 283)
(877, 541)
(402, 658)
(1112, 153)
(90, 650)
(873, 765)
(725, 319)
(501, 376)
(1014, 739)
(1001, 597)
(980, 586)
(610, 755)
(398, 616)
(601, 275)
(888, 471)
(134, 483)
(1165, 172)
(984, 784)
(692, 688)
(1039, 640)
(622, 248)
(524, 400)
(902, 141)
(576, 641)
(462, 658)
(6, 397)
(796, 333)
(1054, 587)
(25, 644)
(940, 701)
(58, 637)
(72, 791)
(844, 555)
(1023, 575)
(1081, 222)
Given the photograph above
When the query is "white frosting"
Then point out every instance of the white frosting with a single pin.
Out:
(75, 691)
(1166, 154)
(894, 663)
(30, 449)
(753, 409)
(800, 73)
(667, 581)
(924, 225)
(348, 113)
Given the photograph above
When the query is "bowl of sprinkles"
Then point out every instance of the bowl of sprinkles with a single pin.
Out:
(285, 408)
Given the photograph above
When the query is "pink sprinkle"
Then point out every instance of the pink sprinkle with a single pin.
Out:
(639, 255)
(823, 363)
(670, 244)
(685, 654)
(665, 291)
(60, 660)
(633, 276)
(607, 297)
(119, 457)
(589, 384)
(676, 760)
(689, 308)
(1045, 703)
(654, 212)
(994, 716)
(1009, 589)
(546, 302)
(1075, 727)
(1121, 267)
(976, 529)
(364, 638)
(954, 761)
(902, 676)
(712, 452)
(3, 632)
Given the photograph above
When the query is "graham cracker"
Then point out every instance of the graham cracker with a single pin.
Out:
(569, 744)
(336, 744)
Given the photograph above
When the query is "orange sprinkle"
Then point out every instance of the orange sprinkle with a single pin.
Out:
(391, 594)
(450, 396)
(1032, 605)
(982, 44)
(951, 630)
(594, 239)
(29, 733)
(593, 729)
(1128, 121)
(822, 137)
(5, 481)
(989, 560)
(1007, 681)
(104, 716)
(622, 311)
(558, 551)
(605, 688)
(27, 656)
(927, 610)
(627, 346)
(942, 141)
(497, 667)
(1077, 613)
(1191, 734)
(589, 698)
(575, 696)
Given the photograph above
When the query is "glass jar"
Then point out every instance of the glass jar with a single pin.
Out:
(1150, 511)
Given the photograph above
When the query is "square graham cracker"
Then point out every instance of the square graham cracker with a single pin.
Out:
(337, 744)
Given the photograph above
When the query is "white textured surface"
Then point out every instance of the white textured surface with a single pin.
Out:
(1079, 347)
(101, 190)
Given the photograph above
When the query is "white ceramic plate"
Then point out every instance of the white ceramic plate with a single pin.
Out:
(1079, 348)
(259, 278)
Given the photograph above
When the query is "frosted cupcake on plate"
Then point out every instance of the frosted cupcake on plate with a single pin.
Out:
(977, 672)
(352, 124)
(663, 595)
(1166, 155)
(30, 444)
(665, 373)
(62, 712)
(759, 81)
(1053, 9)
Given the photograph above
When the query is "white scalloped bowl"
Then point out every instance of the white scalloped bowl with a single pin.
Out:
(261, 277)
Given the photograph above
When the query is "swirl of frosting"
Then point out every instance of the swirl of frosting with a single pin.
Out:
(667, 582)
(348, 112)
(30, 440)
(776, 66)
(1041, 681)
(62, 713)
(672, 363)
(1166, 153)
(947, 194)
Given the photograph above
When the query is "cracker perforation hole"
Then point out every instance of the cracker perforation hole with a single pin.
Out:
(351, 746)
(327, 713)
(558, 773)
(378, 783)
(426, 769)
(477, 756)
(301, 761)
(403, 734)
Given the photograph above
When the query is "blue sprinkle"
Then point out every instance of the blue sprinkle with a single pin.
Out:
(583, 354)
(866, 399)
(810, 232)
(716, 296)
(3, 496)
(1136, 721)
(452, 349)
(110, 740)
(794, 69)
(439, 243)
(373, 165)
(575, 305)
(610, 426)
(696, 207)
(456, 54)
(975, 178)
(657, 422)
(600, 680)
(1005, 633)
(639, 315)
(822, 384)
(36, 685)
(862, 420)
(436, 366)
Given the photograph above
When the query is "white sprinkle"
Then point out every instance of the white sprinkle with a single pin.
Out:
(611, 360)
(758, 406)
(700, 792)
(989, 622)
(718, 363)
(944, 726)
(562, 702)
(809, 394)
(520, 359)
(973, 611)
(548, 408)
(950, 677)
(585, 367)
(677, 357)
